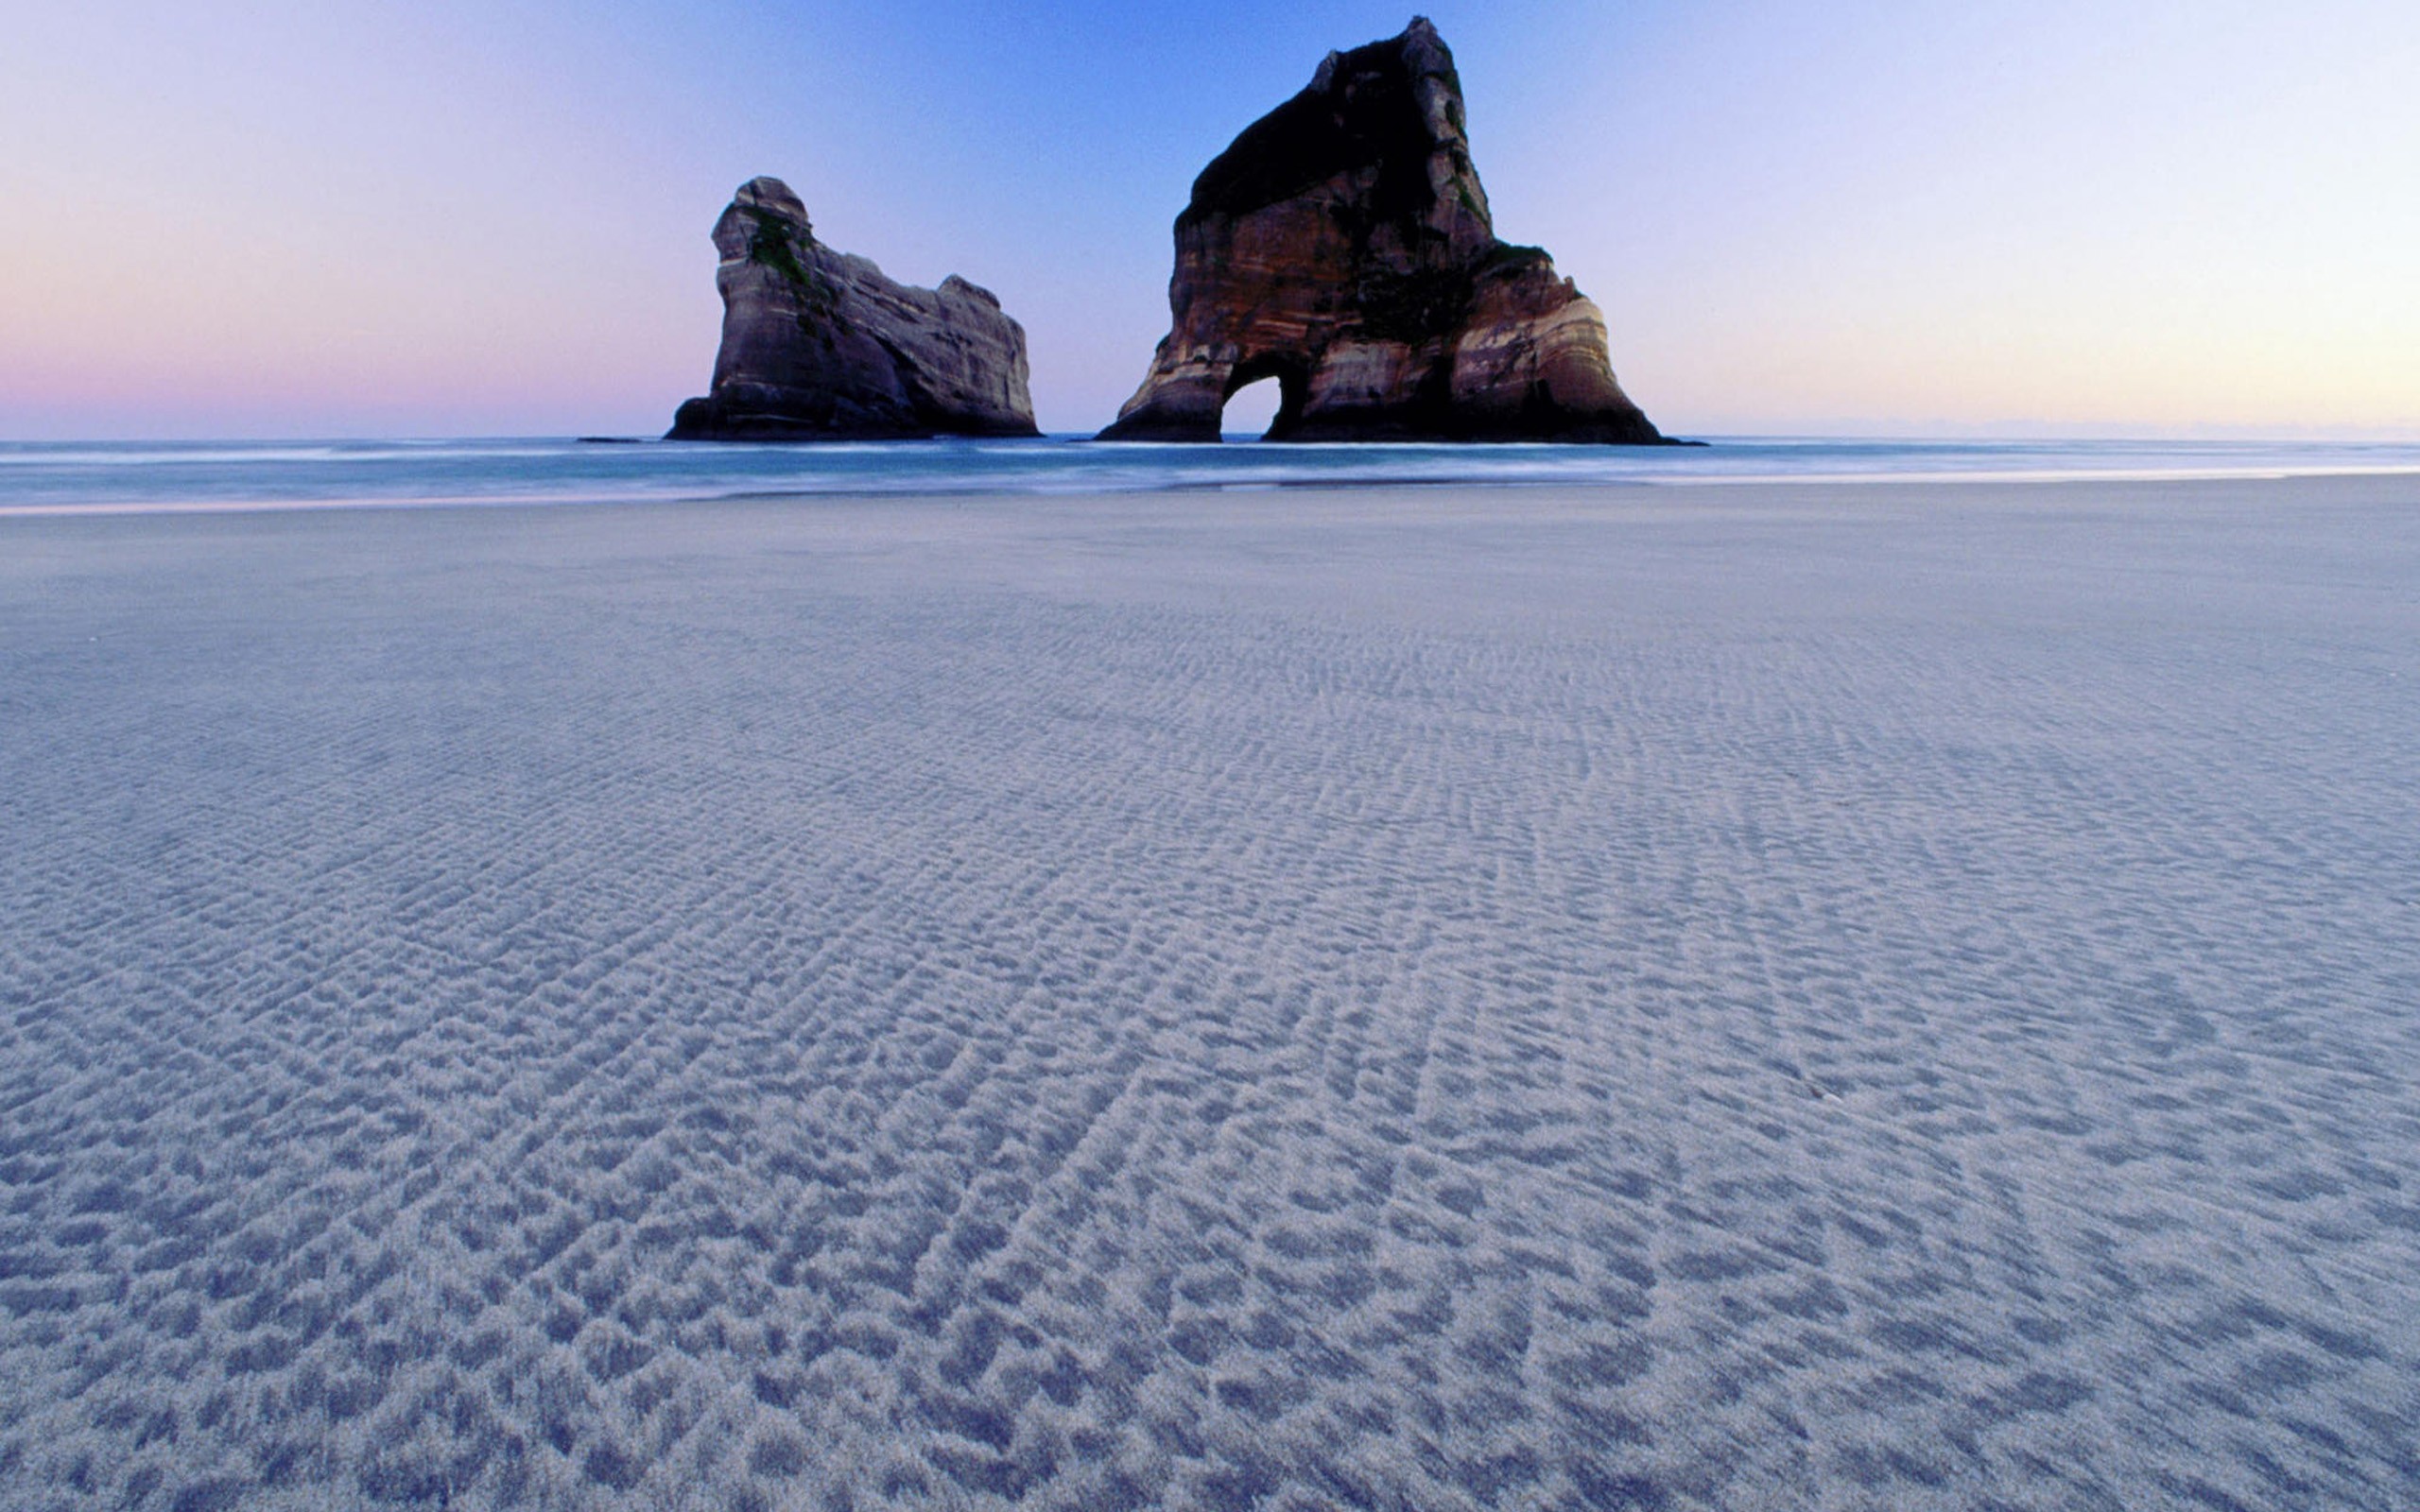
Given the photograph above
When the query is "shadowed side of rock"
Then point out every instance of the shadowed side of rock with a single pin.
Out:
(1344, 246)
(819, 345)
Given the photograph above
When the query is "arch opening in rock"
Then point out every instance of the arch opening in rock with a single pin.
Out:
(1251, 410)
(1263, 397)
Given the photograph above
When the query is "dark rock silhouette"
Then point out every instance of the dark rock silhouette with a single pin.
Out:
(1343, 245)
(818, 345)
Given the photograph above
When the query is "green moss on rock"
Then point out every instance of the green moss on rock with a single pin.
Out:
(770, 245)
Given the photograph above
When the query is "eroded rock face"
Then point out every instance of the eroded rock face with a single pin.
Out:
(818, 345)
(1343, 245)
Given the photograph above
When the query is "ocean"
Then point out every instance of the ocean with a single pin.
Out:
(75, 477)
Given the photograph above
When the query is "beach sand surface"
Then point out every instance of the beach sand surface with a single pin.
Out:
(1739, 997)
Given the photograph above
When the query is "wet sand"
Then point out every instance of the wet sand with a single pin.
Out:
(1744, 997)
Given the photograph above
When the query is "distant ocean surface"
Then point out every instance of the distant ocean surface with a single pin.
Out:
(47, 478)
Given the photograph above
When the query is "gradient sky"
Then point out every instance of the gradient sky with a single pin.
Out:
(343, 217)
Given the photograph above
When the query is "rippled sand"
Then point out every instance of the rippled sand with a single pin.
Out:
(1735, 997)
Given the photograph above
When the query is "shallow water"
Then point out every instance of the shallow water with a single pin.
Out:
(1752, 997)
(155, 476)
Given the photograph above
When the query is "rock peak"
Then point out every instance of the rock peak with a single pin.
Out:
(765, 192)
(1395, 106)
(1343, 245)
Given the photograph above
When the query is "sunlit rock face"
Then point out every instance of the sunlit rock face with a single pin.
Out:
(818, 345)
(1343, 245)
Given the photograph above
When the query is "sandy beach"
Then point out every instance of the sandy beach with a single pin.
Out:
(1750, 997)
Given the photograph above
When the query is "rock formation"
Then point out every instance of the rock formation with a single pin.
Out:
(818, 345)
(1343, 245)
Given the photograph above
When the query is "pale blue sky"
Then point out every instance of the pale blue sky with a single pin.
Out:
(353, 218)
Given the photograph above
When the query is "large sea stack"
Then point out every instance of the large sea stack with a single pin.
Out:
(1343, 247)
(818, 345)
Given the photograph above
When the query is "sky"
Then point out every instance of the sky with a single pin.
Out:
(354, 217)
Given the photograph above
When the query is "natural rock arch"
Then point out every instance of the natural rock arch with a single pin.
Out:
(1343, 243)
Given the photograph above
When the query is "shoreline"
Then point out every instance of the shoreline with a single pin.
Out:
(1293, 487)
(46, 480)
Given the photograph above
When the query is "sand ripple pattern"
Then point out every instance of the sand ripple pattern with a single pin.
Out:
(1797, 1000)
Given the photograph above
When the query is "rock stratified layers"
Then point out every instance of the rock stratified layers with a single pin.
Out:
(1343, 245)
(818, 345)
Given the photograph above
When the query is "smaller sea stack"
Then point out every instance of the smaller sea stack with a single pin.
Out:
(818, 345)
